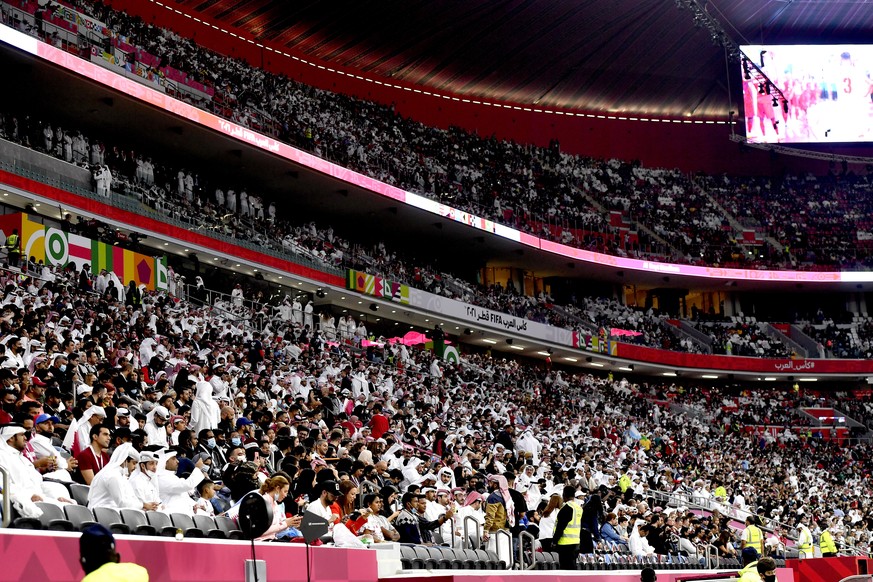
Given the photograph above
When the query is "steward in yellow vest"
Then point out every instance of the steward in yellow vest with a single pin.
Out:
(568, 529)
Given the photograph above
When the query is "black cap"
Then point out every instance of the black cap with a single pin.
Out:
(330, 487)
(96, 545)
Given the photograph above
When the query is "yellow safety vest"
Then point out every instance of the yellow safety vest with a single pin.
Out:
(750, 573)
(110, 572)
(571, 532)
(826, 543)
(624, 483)
(756, 540)
(804, 544)
(12, 242)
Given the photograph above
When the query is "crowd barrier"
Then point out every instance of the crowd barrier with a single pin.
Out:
(40, 555)
(34, 555)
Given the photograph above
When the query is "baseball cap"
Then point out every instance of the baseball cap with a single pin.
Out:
(45, 417)
(243, 421)
(96, 542)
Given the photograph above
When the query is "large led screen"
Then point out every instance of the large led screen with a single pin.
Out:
(827, 89)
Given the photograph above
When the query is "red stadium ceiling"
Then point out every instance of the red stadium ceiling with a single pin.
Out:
(642, 56)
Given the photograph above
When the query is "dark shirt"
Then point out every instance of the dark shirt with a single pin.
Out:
(565, 515)
(414, 528)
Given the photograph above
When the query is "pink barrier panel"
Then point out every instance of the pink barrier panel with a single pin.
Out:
(742, 364)
(54, 556)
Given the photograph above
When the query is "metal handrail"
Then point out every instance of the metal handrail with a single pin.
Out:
(713, 560)
(467, 539)
(688, 499)
(7, 498)
(452, 538)
(511, 562)
(533, 541)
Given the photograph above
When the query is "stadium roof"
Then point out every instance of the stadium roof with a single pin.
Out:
(642, 56)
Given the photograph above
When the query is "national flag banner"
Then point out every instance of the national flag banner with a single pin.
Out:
(79, 249)
(144, 270)
(57, 251)
(161, 274)
(124, 265)
(101, 256)
(32, 238)
(58, 248)
(369, 284)
(377, 286)
(404, 294)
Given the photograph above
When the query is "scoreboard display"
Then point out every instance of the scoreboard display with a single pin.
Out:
(828, 94)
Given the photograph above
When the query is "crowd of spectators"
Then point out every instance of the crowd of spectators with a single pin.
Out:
(543, 191)
(162, 405)
(821, 222)
(231, 211)
(743, 338)
(848, 340)
(183, 194)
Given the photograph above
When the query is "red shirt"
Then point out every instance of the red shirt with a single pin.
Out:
(378, 426)
(88, 460)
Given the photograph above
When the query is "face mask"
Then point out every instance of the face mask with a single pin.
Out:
(210, 443)
(769, 578)
(236, 441)
(63, 368)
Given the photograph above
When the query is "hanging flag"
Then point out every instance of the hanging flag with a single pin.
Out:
(57, 251)
(32, 238)
(101, 256)
(79, 249)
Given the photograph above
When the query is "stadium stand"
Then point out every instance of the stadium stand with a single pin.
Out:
(389, 443)
(542, 191)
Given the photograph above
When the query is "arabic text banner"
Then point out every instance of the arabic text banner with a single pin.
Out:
(743, 364)
(55, 247)
(488, 318)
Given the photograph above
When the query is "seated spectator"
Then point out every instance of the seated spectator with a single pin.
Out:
(274, 490)
(26, 484)
(96, 456)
